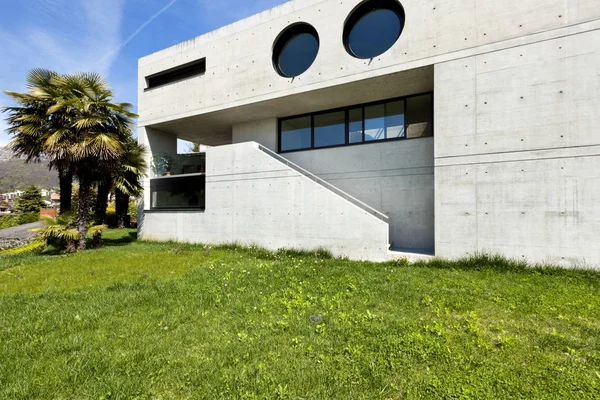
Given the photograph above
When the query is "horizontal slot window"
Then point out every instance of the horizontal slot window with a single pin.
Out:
(178, 192)
(404, 118)
(186, 71)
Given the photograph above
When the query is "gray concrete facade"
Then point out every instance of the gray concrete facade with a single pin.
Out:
(512, 168)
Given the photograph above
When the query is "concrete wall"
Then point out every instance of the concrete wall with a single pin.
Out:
(238, 57)
(517, 152)
(263, 131)
(395, 178)
(251, 198)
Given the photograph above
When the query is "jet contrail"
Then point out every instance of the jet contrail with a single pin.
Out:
(138, 30)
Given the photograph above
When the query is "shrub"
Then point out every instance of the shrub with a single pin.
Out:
(61, 233)
(111, 216)
(133, 211)
(28, 218)
(8, 221)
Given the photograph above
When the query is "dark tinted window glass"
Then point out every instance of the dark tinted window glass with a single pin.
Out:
(355, 124)
(419, 116)
(295, 133)
(296, 50)
(190, 70)
(375, 122)
(374, 33)
(178, 192)
(373, 28)
(330, 129)
(394, 119)
(409, 117)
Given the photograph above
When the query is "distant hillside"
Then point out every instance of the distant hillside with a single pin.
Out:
(16, 175)
(5, 154)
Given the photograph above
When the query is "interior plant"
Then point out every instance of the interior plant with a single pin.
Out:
(162, 165)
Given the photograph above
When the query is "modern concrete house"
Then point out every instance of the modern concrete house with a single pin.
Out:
(378, 126)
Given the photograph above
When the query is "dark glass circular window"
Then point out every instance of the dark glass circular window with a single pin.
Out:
(373, 28)
(295, 50)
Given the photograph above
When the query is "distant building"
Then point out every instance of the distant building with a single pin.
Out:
(55, 199)
(5, 209)
(12, 195)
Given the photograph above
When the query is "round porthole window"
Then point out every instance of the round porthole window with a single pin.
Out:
(295, 50)
(373, 28)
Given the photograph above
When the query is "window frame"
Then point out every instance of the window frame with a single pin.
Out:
(190, 70)
(346, 110)
(361, 11)
(285, 36)
(158, 180)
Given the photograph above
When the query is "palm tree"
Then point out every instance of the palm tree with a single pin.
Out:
(30, 125)
(72, 120)
(128, 183)
(93, 137)
(123, 178)
(62, 233)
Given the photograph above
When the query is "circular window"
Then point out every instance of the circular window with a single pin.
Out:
(295, 50)
(373, 28)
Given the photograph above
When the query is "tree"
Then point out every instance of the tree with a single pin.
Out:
(193, 147)
(30, 124)
(73, 121)
(92, 137)
(30, 201)
(127, 181)
(61, 232)
(122, 179)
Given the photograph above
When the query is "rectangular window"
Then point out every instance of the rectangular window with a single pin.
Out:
(355, 125)
(330, 129)
(375, 122)
(419, 116)
(405, 118)
(394, 120)
(296, 133)
(178, 192)
(186, 71)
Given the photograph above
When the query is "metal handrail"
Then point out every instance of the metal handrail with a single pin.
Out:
(323, 183)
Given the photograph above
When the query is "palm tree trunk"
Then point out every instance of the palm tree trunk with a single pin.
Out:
(122, 207)
(83, 211)
(102, 201)
(65, 179)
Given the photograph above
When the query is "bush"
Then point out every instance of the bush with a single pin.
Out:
(133, 211)
(8, 221)
(28, 218)
(111, 216)
(61, 233)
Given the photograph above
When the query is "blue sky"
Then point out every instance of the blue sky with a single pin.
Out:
(106, 36)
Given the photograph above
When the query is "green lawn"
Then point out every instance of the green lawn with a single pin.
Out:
(172, 321)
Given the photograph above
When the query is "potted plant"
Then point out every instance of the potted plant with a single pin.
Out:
(163, 165)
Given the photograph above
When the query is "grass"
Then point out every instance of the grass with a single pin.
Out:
(175, 321)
